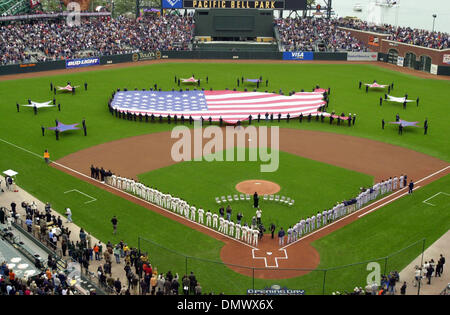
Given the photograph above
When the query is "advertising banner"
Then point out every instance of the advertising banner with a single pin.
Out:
(152, 55)
(400, 61)
(85, 62)
(362, 56)
(298, 55)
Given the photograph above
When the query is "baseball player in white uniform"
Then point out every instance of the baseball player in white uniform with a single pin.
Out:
(313, 223)
(401, 181)
(133, 186)
(330, 215)
(208, 218)
(238, 231)
(302, 227)
(295, 232)
(221, 224)
(114, 180)
(215, 217)
(231, 226)
(250, 235)
(137, 189)
(187, 211)
(289, 235)
(395, 183)
(324, 217)
(308, 222)
(225, 226)
(193, 211)
(244, 233)
(200, 215)
(255, 237)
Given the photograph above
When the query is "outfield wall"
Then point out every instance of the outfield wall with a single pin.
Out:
(192, 55)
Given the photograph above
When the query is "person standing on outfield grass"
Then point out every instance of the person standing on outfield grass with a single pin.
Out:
(46, 156)
(114, 223)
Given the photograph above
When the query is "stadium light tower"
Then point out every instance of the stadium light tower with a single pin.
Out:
(434, 19)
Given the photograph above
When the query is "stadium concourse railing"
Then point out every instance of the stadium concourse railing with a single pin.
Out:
(214, 275)
(156, 55)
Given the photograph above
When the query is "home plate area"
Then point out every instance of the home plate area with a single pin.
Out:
(270, 258)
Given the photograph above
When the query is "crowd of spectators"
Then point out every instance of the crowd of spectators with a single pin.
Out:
(307, 33)
(407, 35)
(48, 40)
(54, 40)
(304, 34)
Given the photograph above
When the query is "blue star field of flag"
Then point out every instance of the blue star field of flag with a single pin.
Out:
(160, 101)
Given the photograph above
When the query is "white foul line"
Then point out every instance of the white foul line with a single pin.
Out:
(425, 201)
(93, 199)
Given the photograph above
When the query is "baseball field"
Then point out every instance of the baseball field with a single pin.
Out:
(319, 164)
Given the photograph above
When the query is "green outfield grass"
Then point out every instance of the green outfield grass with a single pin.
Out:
(313, 185)
(379, 234)
(24, 127)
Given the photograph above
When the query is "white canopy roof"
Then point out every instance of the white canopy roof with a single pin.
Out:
(10, 173)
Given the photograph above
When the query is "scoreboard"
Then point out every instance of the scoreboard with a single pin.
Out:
(235, 4)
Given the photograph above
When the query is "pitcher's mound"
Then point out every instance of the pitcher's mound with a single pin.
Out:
(262, 187)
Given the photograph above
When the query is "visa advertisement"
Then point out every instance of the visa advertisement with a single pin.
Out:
(298, 55)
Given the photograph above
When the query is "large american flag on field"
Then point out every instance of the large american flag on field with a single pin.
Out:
(232, 106)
